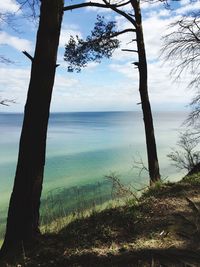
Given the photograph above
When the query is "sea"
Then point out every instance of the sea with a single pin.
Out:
(85, 147)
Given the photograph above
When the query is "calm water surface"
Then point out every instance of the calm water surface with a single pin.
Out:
(84, 147)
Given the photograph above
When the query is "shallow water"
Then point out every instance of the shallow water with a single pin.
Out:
(84, 147)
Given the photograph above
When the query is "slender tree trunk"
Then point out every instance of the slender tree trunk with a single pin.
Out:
(23, 214)
(153, 164)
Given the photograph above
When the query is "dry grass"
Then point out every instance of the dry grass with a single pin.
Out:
(147, 233)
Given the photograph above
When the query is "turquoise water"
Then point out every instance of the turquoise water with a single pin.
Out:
(84, 147)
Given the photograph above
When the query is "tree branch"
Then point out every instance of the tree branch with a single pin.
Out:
(87, 4)
(122, 32)
(101, 43)
(27, 55)
(115, 34)
(5, 60)
(122, 13)
(129, 50)
(181, 46)
(6, 101)
(106, 5)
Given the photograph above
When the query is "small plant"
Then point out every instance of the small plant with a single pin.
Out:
(119, 190)
(187, 157)
(153, 190)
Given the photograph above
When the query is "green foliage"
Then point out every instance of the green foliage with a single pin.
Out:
(153, 190)
(131, 202)
(192, 179)
(79, 52)
(170, 189)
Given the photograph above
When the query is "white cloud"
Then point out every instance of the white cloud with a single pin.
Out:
(184, 2)
(94, 97)
(188, 7)
(14, 79)
(127, 69)
(92, 65)
(62, 83)
(127, 7)
(125, 40)
(14, 85)
(154, 27)
(97, 9)
(151, 5)
(67, 31)
(103, 90)
(163, 92)
(9, 6)
(162, 89)
(15, 42)
(164, 13)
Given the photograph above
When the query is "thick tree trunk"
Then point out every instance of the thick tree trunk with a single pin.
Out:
(153, 164)
(23, 214)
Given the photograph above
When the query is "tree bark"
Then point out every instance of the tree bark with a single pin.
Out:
(153, 165)
(136, 20)
(23, 214)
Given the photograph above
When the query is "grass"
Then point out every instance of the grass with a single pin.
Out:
(161, 229)
(192, 179)
(62, 202)
(62, 206)
(56, 225)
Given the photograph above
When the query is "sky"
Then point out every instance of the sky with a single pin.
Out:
(111, 85)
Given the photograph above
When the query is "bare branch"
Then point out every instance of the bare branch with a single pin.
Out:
(5, 102)
(122, 32)
(33, 6)
(119, 190)
(27, 55)
(114, 7)
(139, 164)
(193, 118)
(86, 4)
(129, 50)
(5, 60)
(182, 47)
(122, 13)
(187, 157)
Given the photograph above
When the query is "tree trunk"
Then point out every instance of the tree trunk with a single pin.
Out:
(23, 214)
(153, 164)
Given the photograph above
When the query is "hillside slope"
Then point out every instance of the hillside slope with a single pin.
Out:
(162, 229)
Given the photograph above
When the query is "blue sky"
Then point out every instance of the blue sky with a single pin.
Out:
(111, 85)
